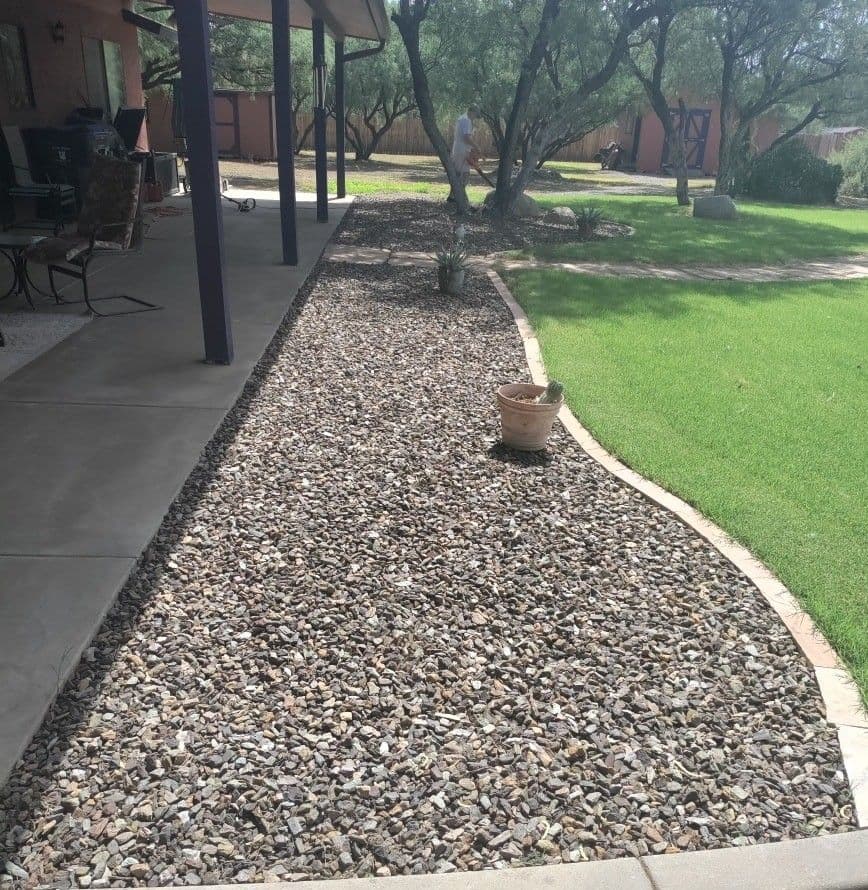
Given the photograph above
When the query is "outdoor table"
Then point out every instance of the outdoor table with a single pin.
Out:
(12, 246)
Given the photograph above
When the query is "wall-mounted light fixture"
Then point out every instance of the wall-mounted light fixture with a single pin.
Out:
(58, 31)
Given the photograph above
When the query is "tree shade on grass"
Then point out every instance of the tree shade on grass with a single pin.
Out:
(748, 401)
(668, 234)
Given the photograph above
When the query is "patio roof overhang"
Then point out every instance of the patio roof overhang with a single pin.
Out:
(365, 19)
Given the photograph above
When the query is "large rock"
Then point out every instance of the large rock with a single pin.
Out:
(562, 216)
(715, 207)
(525, 206)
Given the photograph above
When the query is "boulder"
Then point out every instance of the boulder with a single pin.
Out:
(563, 216)
(525, 206)
(715, 207)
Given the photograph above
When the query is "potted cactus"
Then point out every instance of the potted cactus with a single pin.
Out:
(527, 413)
(451, 266)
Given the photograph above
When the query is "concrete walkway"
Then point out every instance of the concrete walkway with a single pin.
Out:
(100, 433)
(833, 862)
(834, 269)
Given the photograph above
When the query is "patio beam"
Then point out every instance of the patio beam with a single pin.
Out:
(195, 59)
(340, 114)
(319, 121)
(280, 42)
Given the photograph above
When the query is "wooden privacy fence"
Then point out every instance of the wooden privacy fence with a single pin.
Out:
(245, 129)
(407, 136)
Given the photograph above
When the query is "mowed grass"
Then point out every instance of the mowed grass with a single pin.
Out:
(666, 234)
(749, 401)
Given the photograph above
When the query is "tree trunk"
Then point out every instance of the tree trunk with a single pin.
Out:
(506, 192)
(723, 183)
(678, 153)
(408, 18)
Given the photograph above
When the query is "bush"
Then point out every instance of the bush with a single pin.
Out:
(587, 220)
(792, 174)
(853, 159)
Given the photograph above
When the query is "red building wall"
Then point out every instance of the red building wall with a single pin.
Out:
(649, 156)
(57, 67)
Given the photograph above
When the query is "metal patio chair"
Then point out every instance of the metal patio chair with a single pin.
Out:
(60, 196)
(110, 224)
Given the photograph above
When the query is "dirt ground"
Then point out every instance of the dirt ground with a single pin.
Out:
(423, 174)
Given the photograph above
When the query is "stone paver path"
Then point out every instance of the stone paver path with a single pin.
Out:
(369, 640)
(838, 268)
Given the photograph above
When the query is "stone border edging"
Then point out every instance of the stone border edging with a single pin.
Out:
(837, 687)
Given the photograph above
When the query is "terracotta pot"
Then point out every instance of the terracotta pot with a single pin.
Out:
(525, 426)
(451, 283)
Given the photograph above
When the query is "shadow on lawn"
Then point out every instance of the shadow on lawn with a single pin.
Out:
(668, 234)
(563, 296)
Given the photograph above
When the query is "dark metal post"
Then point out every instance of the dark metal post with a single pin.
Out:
(319, 121)
(340, 114)
(284, 127)
(195, 58)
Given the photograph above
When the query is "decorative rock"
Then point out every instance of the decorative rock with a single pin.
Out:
(715, 207)
(563, 216)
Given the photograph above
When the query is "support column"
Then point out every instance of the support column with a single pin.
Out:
(195, 59)
(340, 114)
(319, 121)
(280, 42)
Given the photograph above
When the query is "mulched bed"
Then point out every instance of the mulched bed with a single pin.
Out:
(370, 640)
(427, 223)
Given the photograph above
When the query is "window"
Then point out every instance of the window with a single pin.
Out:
(16, 71)
(104, 70)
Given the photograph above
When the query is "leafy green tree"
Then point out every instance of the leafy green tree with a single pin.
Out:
(777, 55)
(580, 46)
(379, 91)
(648, 63)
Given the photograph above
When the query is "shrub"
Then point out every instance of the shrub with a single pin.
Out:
(587, 219)
(853, 159)
(791, 173)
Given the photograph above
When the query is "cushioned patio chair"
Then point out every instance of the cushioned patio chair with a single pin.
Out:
(60, 197)
(110, 224)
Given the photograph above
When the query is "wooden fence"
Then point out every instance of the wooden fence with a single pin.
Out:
(407, 136)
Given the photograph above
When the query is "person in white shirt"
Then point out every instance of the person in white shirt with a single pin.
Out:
(463, 145)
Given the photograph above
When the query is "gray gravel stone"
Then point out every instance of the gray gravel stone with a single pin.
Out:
(303, 641)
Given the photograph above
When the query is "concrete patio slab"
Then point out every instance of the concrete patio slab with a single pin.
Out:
(93, 480)
(101, 431)
(835, 862)
(49, 611)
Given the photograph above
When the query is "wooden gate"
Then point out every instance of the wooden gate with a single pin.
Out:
(695, 136)
(227, 124)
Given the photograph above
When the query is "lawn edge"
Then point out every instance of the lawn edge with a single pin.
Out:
(837, 687)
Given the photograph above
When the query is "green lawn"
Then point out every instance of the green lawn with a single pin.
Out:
(667, 234)
(749, 401)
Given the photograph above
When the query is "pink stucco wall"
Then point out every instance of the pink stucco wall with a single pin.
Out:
(57, 68)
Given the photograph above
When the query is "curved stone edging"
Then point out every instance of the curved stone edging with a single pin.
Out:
(837, 687)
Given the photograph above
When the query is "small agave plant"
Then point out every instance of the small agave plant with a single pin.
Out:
(452, 264)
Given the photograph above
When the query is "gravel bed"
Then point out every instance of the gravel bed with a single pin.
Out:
(369, 640)
(400, 223)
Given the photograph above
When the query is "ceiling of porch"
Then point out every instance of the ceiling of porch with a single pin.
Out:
(366, 19)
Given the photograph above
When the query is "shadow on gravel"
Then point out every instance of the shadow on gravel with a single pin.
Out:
(507, 455)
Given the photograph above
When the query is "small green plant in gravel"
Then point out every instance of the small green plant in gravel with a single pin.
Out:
(587, 219)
